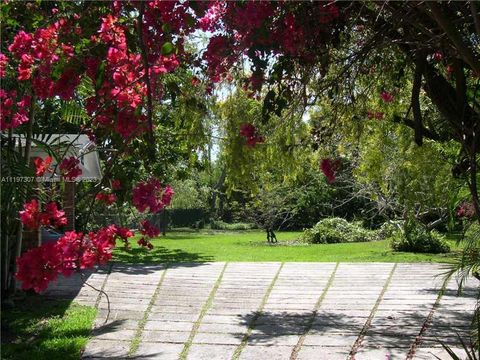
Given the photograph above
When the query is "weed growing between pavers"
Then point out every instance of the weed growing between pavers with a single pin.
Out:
(368, 323)
(302, 337)
(257, 314)
(203, 312)
(141, 324)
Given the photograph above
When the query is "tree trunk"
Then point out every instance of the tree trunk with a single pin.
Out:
(28, 147)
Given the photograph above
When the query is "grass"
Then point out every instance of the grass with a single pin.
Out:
(210, 245)
(43, 329)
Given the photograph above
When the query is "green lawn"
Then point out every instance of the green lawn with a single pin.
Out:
(42, 329)
(252, 246)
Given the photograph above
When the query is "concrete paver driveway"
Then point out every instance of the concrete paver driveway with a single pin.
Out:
(273, 311)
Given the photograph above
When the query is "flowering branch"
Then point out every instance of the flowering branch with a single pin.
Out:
(147, 72)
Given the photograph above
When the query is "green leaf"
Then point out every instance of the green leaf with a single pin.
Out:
(167, 48)
(166, 28)
(74, 113)
(100, 75)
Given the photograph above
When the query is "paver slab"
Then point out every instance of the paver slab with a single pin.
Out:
(262, 310)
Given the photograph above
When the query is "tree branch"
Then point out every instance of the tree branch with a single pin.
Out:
(417, 85)
(412, 124)
(443, 95)
(464, 50)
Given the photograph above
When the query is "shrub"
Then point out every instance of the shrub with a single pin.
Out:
(221, 225)
(416, 238)
(336, 230)
(389, 229)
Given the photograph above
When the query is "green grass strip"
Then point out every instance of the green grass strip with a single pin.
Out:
(141, 324)
(427, 322)
(203, 312)
(301, 340)
(358, 343)
(257, 314)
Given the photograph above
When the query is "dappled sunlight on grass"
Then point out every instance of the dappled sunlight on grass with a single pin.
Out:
(44, 329)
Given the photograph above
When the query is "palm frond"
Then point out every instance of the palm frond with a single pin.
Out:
(73, 113)
(469, 351)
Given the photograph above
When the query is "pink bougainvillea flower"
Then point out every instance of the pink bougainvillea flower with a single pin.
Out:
(437, 56)
(465, 209)
(25, 102)
(53, 216)
(210, 21)
(145, 243)
(386, 96)
(13, 113)
(330, 168)
(69, 167)
(450, 70)
(3, 65)
(19, 118)
(103, 242)
(378, 115)
(165, 64)
(30, 215)
(70, 248)
(42, 166)
(38, 267)
(249, 132)
(149, 230)
(21, 43)
(116, 184)
(25, 67)
(167, 195)
(72, 252)
(108, 199)
(124, 233)
(253, 141)
(150, 195)
(111, 198)
(43, 87)
(195, 81)
(65, 86)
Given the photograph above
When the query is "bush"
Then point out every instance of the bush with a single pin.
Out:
(221, 225)
(336, 230)
(389, 229)
(416, 238)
